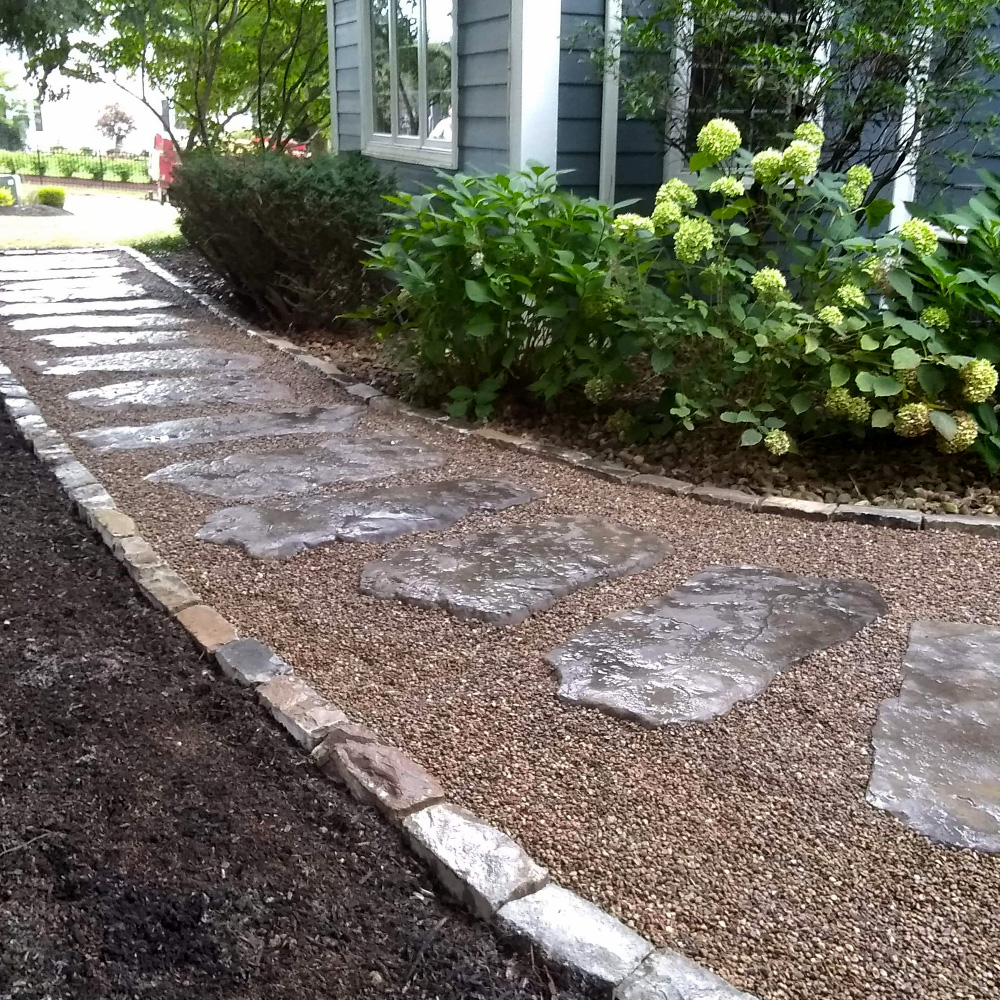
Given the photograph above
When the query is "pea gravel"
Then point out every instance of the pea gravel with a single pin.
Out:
(745, 842)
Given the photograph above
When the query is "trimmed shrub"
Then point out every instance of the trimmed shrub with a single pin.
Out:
(6, 198)
(52, 196)
(288, 235)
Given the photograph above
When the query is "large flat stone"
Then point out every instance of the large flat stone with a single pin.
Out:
(201, 359)
(110, 338)
(83, 291)
(93, 306)
(668, 975)
(193, 391)
(282, 528)
(98, 321)
(305, 714)
(717, 640)
(50, 261)
(12, 279)
(478, 864)
(574, 933)
(247, 476)
(505, 576)
(937, 745)
(250, 662)
(228, 427)
(67, 286)
(206, 626)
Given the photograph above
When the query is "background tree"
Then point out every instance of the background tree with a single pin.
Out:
(115, 123)
(13, 118)
(855, 67)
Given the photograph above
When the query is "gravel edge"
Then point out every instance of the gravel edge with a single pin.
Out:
(479, 865)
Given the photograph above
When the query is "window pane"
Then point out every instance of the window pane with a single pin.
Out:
(440, 37)
(407, 38)
(381, 79)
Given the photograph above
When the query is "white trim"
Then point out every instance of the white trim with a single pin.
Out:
(609, 101)
(904, 184)
(331, 45)
(536, 27)
(674, 160)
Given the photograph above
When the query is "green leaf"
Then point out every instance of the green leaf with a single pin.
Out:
(903, 284)
(839, 374)
(865, 381)
(877, 210)
(882, 418)
(760, 339)
(742, 357)
(869, 343)
(944, 424)
(660, 360)
(746, 417)
(476, 291)
(812, 342)
(480, 326)
(738, 230)
(751, 436)
(886, 385)
(800, 402)
(699, 161)
(986, 416)
(931, 380)
(729, 417)
(905, 359)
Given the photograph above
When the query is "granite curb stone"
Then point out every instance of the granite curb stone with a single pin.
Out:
(883, 517)
(250, 662)
(297, 707)
(207, 627)
(165, 590)
(668, 975)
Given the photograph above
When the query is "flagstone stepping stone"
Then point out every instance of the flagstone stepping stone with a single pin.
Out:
(70, 307)
(937, 745)
(715, 641)
(281, 529)
(62, 283)
(44, 261)
(247, 476)
(230, 427)
(504, 576)
(172, 359)
(84, 292)
(9, 278)
(82, 321)
(193, 391)
(110, 338)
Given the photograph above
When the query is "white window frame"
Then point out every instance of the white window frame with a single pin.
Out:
(406, 148)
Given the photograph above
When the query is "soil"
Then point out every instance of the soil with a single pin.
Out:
(159, 837)
(32, 210)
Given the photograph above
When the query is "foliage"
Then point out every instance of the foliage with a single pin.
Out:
(287, 234)
(95, 167)
(13, 117)
(115, 123)
(157, 243)
(6, 197)
(53, 196)
(853, 65)
(501, 280)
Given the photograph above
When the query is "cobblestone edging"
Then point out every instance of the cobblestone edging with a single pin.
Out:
(810, 510)
(480, 865)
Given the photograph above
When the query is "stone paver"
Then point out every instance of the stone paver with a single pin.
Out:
(110, 338)
(667, 975)
(12, 279)
(250, 662)
(717, 640)
(67, 286)
(937, 745)
(285, 527)
(88, 292)
(98, 321)
(72, 307)
(306, 715)
(193, 391)
(207, 627)
(52, 261)
(229, 427)
(572, 932)
(247, 476)
(202, 359)
(477, 863)
(504, 576)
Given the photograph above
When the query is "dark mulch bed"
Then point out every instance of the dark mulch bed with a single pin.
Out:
(159, 837)
(31, 209)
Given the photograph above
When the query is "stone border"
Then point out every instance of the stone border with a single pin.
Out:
(478, 864)
(809, 510)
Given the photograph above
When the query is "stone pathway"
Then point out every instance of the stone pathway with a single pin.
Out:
(199, 359)
(193, 391)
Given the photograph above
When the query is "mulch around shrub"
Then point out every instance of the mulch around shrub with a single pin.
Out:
(159, 837)
(32, 210)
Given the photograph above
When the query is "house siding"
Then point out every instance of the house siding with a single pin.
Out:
(580, 94)
(483, 28)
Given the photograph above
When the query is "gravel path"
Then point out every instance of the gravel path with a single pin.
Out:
(745, 842)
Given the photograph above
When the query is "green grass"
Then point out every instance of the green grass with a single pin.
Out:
(156, 242)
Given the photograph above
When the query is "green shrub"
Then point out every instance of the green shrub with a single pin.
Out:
(6, 198)
(96, 168)
(288, 235)
(53, 196)
(122, 170)
(502, 280)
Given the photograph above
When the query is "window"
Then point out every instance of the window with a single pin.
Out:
(409, 81)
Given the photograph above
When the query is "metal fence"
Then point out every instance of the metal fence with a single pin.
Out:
(103, 169)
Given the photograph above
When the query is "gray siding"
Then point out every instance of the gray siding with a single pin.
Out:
(580, 95)
(483, 76)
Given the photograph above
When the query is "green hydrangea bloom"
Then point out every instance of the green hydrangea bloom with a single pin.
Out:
(850, 296)
(964, 438)
(830, 315)
(860, 175)
(858, 410)
(478, 260)
(767, 166)
(913, 420)
(936, 316)
(628, 225)
(731, 187)
(920, 234)
(837, 402)
(810, 132)
(768, 283)
(777, 442)
(853, 194)
(693, 237)
(909, 379)
(598, 390)
(719, 139)
(666, 213)
(619, 422)
(979, 380)
(676, 190)
(800, 159)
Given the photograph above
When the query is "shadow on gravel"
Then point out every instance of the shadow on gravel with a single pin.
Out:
(159, 838)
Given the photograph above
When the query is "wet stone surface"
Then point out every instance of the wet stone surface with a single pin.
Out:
(193, 391)
(937, 746)
(8, 278)
(205, 430)
(285, 527)
(109, 338)
(246, 476)
(504, 576)
(93, 306)
(84, 291)
(717, 640)
(200, 359)
(98, 321)
(66, 287)
(49, 261)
